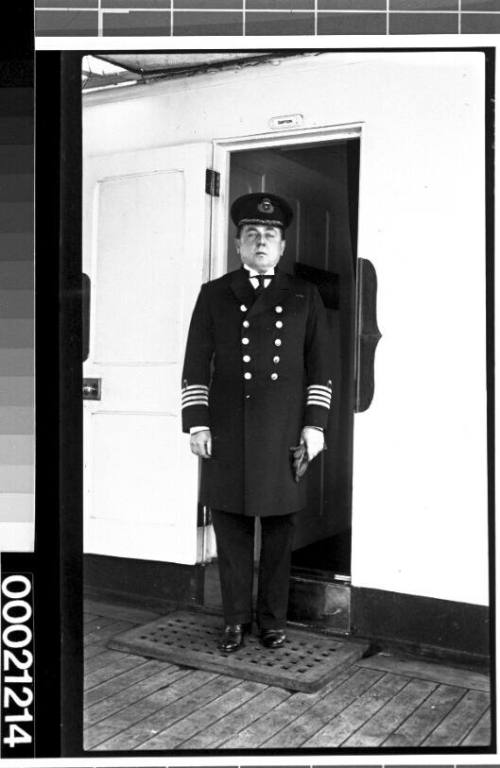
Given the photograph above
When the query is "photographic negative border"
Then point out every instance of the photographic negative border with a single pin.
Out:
(60, 138)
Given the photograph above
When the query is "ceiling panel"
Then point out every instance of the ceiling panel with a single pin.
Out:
(164, 62)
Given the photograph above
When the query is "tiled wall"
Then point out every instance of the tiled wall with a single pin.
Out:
(16, 313)
(265, 17)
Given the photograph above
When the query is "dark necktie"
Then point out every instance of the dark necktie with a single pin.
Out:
(260, 286)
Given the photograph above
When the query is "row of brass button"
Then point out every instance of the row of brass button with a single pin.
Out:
(278, 308)
(247, 359)
(278, 324)
(245, 340)
(247, 375)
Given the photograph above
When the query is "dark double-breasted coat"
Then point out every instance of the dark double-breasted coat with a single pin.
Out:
(256, 371)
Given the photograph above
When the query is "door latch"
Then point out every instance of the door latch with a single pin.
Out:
(212, 182)
(91, 389)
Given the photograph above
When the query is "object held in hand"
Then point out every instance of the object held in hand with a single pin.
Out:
(300, 461)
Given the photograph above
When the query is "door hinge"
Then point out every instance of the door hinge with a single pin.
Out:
(212, 182)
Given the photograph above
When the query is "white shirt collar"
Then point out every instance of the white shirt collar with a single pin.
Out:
(254, 273)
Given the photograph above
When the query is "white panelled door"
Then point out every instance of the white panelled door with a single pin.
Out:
(145, 248)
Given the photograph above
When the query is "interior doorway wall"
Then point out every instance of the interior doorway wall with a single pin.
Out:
(320, 181)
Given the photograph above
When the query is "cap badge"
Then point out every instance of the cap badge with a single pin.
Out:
(265, 206)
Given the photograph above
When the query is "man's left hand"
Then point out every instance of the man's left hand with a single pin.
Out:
(314, 440)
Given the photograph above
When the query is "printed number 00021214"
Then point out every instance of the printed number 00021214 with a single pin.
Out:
(17, 663)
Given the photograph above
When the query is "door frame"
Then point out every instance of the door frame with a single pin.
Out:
(224, 147)
(222, 151)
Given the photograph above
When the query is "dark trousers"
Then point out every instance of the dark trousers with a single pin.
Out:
(235, 551)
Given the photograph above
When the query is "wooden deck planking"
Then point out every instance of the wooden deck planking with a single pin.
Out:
(205, 716)
(147, 681)
(263, 705)
(136, 703)
(113, 669)
(460, 721)
(99, 622)
(92, 649)
(103, 634)
(134, 615)
(142, 720)
(426, 717)
(343, 725)
(426, 670)
(480, 736)
(184, 707)
(122, 682)
(102, 659)
(298, 731)
(392, 714)
(268, 724)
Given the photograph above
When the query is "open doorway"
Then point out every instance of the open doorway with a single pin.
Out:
(321, 182)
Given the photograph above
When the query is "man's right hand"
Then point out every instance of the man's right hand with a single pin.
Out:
(201, 443)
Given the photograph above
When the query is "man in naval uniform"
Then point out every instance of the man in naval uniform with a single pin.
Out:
(256, 381)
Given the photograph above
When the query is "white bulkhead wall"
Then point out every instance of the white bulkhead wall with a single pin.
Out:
(420, 469)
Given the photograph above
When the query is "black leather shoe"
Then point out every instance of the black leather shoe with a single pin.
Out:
(232, 639)
(272, 638)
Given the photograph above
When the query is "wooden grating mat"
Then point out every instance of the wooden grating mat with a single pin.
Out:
(306, 662)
